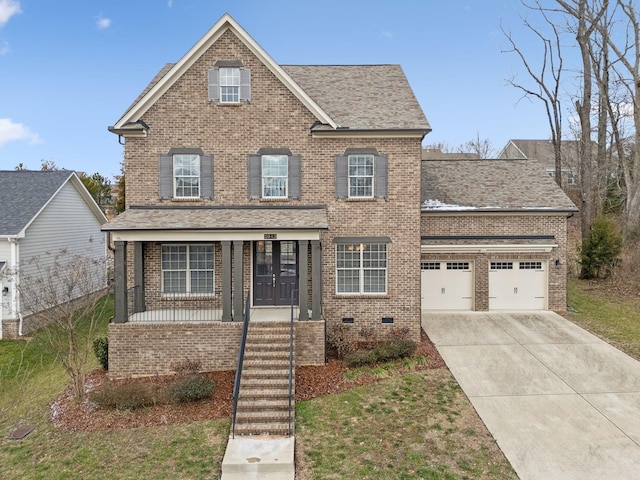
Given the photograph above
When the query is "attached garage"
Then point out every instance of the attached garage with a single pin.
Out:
(446, 285)
(518, 285)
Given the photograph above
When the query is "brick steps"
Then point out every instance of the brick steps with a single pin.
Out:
(263, 400)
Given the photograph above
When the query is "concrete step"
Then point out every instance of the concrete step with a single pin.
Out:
(277, 363)
(263, 346)
(249, 458)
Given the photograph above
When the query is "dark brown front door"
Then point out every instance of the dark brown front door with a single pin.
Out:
(275, 272)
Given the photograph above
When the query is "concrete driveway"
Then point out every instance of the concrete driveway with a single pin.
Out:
(560, 402)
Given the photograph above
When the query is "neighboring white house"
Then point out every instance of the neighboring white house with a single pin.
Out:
(42, 213)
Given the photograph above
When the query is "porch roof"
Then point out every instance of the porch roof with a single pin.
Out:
(235, 218)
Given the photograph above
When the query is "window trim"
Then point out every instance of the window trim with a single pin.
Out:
(175, 177)
(370, 178)
(231, 74)
(188, 270)
(263, 177)
(361, 269)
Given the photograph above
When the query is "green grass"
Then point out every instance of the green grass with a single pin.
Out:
(411, 426)
(616, 321)
(31, 379)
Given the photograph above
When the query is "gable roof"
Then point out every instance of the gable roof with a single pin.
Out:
(25, 193)
(395, 105)
(314, 85)
(490, 186)
(542, 151)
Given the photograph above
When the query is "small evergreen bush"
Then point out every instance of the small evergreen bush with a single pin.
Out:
(190, 388)
(128, 396)
(360, 357)
(101, 351)
(383, 351)
(600, 251)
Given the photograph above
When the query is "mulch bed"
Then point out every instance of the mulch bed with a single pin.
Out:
(311, 382)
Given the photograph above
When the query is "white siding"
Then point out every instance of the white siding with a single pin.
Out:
(66, 223)
(5, 281)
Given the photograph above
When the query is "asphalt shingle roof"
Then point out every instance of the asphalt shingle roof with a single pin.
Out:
(220, 218)
(23, 193)
(362, 96)
(490, 185)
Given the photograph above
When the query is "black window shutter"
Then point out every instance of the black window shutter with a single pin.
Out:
(165, 169)
(245, 84)
(214, 85)
(380, 170)
(295, 176)
(342, 176)
(255, 176)
(206, 176)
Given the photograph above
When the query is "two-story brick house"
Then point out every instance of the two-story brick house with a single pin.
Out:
(246, 177)
(249, 182)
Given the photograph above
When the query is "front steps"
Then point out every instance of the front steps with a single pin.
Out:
(263, 447)
(263, 402)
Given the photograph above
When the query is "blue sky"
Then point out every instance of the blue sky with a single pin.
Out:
(69, 69)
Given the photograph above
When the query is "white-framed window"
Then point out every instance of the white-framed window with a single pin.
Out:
(275, 176)
(361, 176)
(187, 269)
(229, 85)
(186, 176)
(361, 268)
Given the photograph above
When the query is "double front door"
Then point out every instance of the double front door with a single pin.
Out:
(275, 272)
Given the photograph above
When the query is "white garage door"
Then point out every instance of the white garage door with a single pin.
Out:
(447, 285)
(517, 285)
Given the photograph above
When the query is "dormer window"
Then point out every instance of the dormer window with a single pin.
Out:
(229, 82)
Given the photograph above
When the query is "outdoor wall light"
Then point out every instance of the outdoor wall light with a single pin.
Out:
(5, 291)
(558, 262)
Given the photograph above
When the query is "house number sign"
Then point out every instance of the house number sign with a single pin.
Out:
(270, 236)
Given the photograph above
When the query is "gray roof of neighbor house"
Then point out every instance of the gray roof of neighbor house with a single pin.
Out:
(542, 151)
(490, 185)
(219, 218)
(23, 193)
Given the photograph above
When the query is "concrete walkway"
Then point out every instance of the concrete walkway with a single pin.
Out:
(561, 403)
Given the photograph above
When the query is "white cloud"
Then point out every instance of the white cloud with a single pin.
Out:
(169, 3)
(8, 8)
(11, 131)
(4, 48)
(103, 23)
(387, 34)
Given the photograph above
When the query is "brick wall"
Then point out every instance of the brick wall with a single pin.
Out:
(523, 224)
(143, 349)
(183, 117)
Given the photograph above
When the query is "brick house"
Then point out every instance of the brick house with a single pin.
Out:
(254, 184)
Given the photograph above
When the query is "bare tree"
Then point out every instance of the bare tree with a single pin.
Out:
(482, 147)
(546, 78)
(627, 56)
(64, 292)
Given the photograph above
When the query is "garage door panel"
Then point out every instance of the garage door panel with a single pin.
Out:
(447, 285)
(517, 285)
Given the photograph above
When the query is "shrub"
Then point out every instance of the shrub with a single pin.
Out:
(101, 351)
(600, 251)
(190, 388)
(395, 349)
(383, 351)
(187, 367)
(128, 396)
(338, 340)
(360, 357)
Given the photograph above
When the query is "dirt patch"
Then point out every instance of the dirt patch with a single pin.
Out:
(311, 382)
